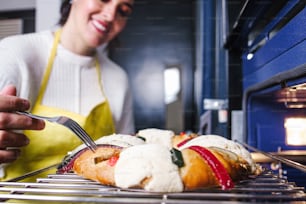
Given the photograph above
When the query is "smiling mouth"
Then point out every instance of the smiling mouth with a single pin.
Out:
(99, 26)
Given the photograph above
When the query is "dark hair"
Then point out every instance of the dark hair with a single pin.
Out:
(64, 11)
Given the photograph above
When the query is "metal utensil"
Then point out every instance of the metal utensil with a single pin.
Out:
(33, 173)
(69, 123)
(289, 162)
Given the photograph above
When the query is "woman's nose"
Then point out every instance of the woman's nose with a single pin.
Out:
(109, 12)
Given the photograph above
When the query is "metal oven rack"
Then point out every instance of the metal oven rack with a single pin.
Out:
(64, 188)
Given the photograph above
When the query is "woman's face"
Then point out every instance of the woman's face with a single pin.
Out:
(98, 21)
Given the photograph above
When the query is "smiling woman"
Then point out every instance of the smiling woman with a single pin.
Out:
(94, 22)
(64, 74)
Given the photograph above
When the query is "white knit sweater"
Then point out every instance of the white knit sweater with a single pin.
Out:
(73, 83)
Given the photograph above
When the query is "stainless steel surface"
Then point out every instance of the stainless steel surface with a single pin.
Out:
(33, 173)
(289, 162)
(295, 155)
(215, 104)
(64, 188)
(69, 123)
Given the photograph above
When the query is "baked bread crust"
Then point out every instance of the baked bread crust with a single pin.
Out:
(96, 165)
(196, 173)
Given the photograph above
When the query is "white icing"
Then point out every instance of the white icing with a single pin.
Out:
(114, 139)
(157, 136)
(221, 142)
(148, 161)
(120, 140)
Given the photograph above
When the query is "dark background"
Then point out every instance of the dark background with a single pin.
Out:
(159, 34)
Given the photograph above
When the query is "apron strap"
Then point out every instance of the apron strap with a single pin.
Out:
(49, 66)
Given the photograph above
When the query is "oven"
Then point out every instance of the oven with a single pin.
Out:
(271, 39)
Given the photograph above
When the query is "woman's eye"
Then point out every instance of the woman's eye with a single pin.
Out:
(125, 10)
(124, 13)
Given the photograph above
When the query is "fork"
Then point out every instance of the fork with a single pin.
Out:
(69, 123)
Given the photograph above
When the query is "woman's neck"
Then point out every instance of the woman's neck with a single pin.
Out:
(69, 41)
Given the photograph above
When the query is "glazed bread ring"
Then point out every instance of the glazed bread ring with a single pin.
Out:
(192, 163)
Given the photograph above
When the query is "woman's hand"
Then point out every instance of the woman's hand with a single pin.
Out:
(10, 140)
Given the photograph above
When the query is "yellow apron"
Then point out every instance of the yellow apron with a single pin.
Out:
(49, 146)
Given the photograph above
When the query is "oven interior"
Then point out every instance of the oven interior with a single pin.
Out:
(276, 123)
(269, 113)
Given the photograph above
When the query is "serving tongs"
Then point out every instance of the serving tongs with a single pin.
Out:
(286, 161)
(68, 123)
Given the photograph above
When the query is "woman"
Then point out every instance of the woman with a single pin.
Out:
(61, 72)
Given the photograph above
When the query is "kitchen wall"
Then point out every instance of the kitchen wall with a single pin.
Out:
(47, 13)
(160, 35)
(13, 5)
(43, 13)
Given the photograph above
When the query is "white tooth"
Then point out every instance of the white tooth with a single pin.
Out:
(99, 26)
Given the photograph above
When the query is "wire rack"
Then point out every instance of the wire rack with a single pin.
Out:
(64, 188)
